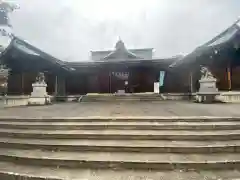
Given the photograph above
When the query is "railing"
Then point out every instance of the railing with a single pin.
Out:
(12, 101)
(230, 97)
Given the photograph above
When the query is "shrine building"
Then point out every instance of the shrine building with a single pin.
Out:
(123, 69)
(131, 70)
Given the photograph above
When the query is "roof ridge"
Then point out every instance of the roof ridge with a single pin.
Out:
(130, 49)
(238, 22)
(220, 34)
(234, 27)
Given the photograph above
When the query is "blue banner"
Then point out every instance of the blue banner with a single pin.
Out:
(161, 78)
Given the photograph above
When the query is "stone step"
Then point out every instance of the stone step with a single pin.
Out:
(120, 134)
(122, 125)
(9, 175)
(125, 95)
(123, 98)
(154, 161)
(14, 171)
(147, 146)
(122, 119)
(119, 99)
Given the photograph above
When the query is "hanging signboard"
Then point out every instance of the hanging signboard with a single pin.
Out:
(161, 78)
(121, 75)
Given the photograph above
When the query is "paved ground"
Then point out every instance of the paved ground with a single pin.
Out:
(165, 108)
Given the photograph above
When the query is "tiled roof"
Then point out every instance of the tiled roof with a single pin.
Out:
(27, 48)
(226, 36)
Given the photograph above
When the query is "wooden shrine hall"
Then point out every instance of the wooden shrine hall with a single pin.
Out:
(131, 70)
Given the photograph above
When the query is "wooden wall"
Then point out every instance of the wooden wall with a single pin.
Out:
(140, 80)
(236, 78)
(21, 83)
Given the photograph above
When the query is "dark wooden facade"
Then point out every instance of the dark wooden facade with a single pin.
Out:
(65, 78)
(101, 78)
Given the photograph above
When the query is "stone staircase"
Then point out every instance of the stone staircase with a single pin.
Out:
(121, 98)
(66, 148)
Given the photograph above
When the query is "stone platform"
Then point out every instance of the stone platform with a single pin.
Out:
(161, 108)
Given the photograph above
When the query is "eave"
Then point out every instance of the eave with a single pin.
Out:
(26, 48)
(131, 63)
(221, 41)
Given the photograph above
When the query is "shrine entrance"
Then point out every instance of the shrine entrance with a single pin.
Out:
(119, 82)
(125, 80)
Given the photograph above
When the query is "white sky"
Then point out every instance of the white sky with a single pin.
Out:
(70, 29)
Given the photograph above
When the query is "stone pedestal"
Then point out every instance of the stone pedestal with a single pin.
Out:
(39, 95)
(208, 86)
(4, 73)
(208, 90)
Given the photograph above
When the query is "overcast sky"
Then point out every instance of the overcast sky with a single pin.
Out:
(70, 29)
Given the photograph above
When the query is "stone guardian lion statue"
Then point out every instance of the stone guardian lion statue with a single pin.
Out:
(206, 73)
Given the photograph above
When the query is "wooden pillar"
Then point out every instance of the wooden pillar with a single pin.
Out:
(22, 83)
(191, 81)
(229, 78)
(110, 82)
(61, 85)
(56, 85)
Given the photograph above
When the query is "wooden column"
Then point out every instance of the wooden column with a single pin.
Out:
(56, 85)
(22, 83)
(110, 82)
(191, 81)
(229, 78)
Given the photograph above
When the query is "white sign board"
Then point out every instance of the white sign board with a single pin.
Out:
(121, 92)
(156, 87)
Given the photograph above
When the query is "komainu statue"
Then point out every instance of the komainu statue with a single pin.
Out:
(4, 71)
(206, 73)
(40, 78)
